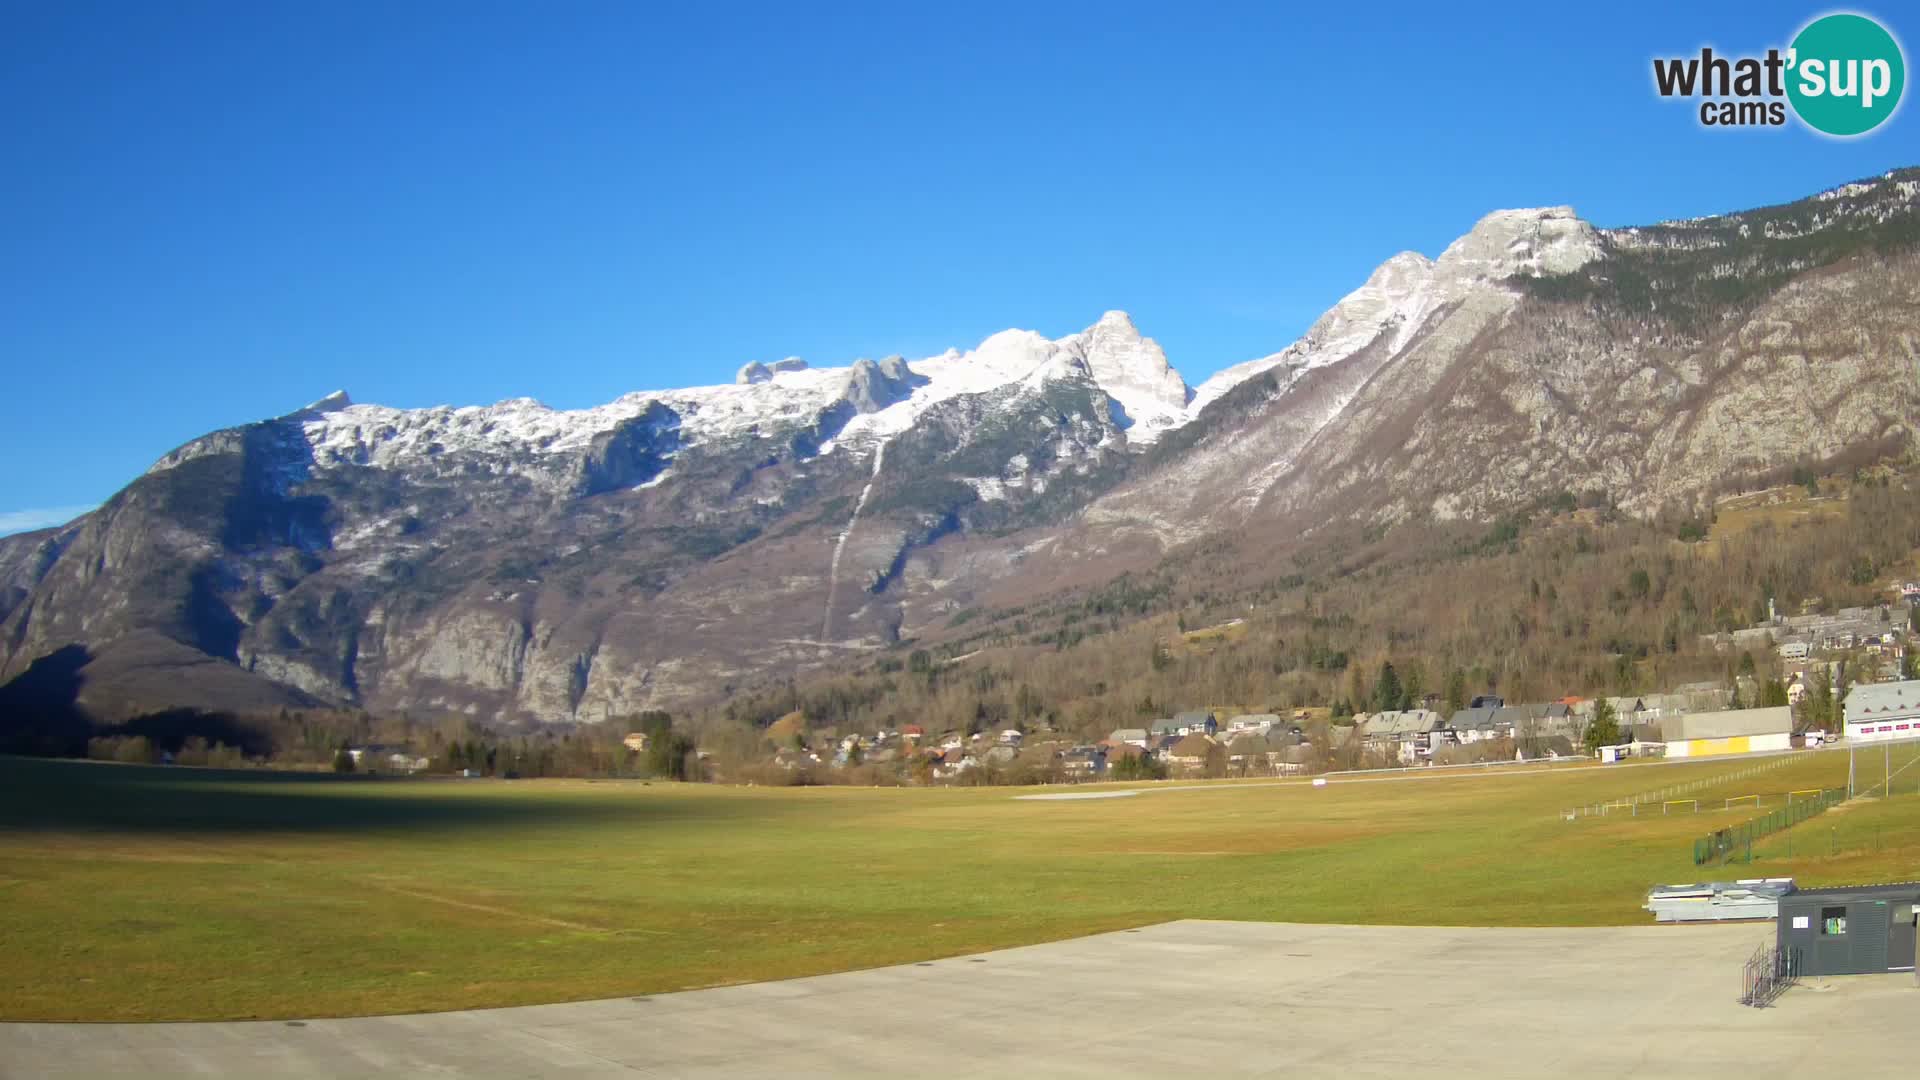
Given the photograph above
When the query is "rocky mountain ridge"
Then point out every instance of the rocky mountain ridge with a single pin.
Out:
(516, 561)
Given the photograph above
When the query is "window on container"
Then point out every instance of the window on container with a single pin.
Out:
(1833, 920)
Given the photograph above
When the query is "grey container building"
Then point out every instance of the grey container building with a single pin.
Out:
(1856, 930)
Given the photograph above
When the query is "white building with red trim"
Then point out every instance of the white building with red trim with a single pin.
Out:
(1881, 711)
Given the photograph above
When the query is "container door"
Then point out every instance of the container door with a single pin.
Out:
(1872, 922)
(1900, 937)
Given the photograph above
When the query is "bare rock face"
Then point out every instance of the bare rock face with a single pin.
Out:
(634, 451)
(518, 562)
(871, 387)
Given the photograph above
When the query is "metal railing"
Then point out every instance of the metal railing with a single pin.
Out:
(1768, 974)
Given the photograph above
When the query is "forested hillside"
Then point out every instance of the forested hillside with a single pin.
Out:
(1561, 599)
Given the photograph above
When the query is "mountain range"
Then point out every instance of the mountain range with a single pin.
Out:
(514, 562)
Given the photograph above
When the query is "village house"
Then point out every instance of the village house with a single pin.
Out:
(1083, 762)
(1879, 712)
(1251, 752)
(1297, 758)
(954, 762)
(1548, 748)
(1551, 718)
(1476, 725)
(1258, 722)
(1408, 735)
(1196, 722)
(1191, 752)
(1131, 736)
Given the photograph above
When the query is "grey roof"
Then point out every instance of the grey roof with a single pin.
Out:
(1254, 719)
(1513, 716)
(1192, 717)
(1129, 734)
(1480, 719)
(1164, 726)
(1539, 719)
(1728, 723)
(1397, 722)
(1875, 701)
(1557, 744)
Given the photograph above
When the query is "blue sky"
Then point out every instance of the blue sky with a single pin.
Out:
(214, 213)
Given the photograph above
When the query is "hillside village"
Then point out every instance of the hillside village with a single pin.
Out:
(1794, 681)
(1816, 658)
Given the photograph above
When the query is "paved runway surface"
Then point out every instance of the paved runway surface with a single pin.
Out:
(1186, 998)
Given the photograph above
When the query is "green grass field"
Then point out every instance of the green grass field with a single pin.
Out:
(147, 893)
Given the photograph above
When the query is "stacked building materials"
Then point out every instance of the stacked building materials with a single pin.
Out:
(1714, 901)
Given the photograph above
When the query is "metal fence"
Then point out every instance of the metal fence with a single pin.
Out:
(1736, 842)
(1768, 973)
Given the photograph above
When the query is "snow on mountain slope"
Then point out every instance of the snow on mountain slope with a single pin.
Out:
(872, 403)
(1401, 293)
(1134, 372)
(1406, 299)
(1131, 369)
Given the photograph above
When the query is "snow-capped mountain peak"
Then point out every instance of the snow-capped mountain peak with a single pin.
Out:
(1134, 372)
(887, 397)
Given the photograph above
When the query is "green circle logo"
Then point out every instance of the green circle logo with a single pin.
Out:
(1846, 74)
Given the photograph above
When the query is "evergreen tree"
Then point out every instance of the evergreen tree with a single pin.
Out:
(1456, 691)
(1387, 693)
(1604, 728)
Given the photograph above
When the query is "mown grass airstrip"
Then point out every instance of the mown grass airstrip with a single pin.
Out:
(146, 893)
